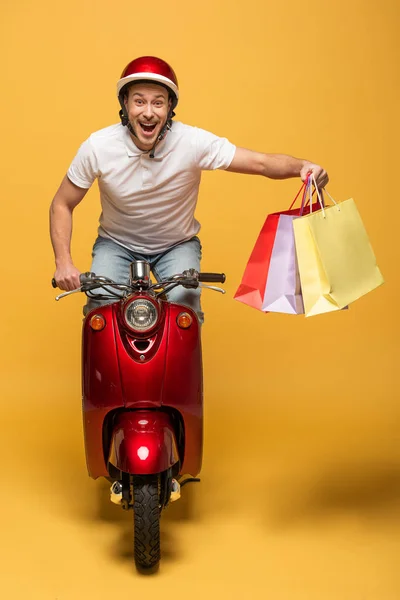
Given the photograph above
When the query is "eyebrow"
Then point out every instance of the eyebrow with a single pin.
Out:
(142, 95)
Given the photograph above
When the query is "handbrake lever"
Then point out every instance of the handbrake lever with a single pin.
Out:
(79, 289)
(212, 287)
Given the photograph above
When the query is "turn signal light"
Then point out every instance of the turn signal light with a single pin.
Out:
(184, 320)
(97, 322)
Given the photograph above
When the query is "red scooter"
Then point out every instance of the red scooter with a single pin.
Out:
(143, 396)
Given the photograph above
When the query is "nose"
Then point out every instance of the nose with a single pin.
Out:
(148, 111)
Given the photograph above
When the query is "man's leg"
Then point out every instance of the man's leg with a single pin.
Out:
(180, 258)
(110, 260)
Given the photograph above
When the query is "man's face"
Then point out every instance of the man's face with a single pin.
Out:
(147, 106)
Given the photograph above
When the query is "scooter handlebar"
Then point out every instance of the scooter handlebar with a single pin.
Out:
(83, 278)
(87, 278)
(212, 277)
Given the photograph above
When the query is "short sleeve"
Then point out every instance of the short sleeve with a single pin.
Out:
(83, 169)
(213, 152)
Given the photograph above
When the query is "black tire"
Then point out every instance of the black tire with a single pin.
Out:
(146, 516)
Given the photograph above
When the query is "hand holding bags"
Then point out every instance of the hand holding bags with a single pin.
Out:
(317, 255)
(336, 262)
(271, 281)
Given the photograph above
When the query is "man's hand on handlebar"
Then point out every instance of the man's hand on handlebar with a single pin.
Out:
(67, 277)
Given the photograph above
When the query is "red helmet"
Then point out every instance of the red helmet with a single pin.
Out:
(150, 68)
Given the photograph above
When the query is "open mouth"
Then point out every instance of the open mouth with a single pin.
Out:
(148, 129)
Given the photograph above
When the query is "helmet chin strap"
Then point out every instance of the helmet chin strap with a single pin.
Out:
(126, 123)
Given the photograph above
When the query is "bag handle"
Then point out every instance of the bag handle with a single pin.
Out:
(298, 194)
(335, 203)
(307, 186)
(321, 196)
(304, 190)
(312, 182)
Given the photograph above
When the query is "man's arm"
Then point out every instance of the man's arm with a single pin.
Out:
(275, 166)
(66, 199)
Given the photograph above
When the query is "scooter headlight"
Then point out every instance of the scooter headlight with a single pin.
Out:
(141, 315)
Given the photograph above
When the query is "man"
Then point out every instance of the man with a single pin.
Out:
(148, 169)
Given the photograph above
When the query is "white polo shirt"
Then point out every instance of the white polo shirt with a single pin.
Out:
(147, 203)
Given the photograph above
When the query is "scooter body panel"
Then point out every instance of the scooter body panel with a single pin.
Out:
(143, 442)
(121, 373)
(142, 370)
(183, 385)
(101, 387)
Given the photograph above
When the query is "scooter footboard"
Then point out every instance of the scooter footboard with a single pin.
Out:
(143, 442)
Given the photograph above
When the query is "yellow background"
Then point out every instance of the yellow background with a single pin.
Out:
(301, 479)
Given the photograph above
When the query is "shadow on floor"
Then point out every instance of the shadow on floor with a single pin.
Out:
(365, 488)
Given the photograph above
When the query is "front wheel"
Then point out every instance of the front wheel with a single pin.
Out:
(146, 516)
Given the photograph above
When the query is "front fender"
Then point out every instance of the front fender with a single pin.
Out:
(143, 442)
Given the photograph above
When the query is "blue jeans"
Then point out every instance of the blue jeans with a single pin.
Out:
(112, 260)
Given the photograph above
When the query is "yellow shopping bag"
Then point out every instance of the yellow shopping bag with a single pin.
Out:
(336, 262)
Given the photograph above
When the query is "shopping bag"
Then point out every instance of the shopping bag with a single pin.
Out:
(336, 262)
(252, 289)
(252, 286)
(282, 288)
